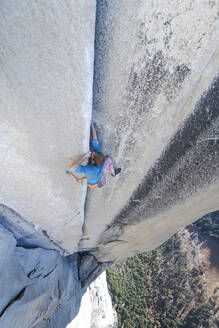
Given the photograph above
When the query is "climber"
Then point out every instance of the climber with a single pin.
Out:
(97, 167)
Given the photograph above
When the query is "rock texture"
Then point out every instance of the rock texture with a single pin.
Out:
(155, 105)
(90, 268)
(97, 305)
(154, 95)
(46, 59)
(39, 287)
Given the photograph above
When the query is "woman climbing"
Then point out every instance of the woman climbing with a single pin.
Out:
(98, 166)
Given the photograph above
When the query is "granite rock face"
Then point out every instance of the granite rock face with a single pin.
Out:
(154, 102)
(149, 70)
(46, 60)
(155, 106)
(97, 305)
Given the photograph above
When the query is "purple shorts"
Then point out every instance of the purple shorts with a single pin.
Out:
(107, 167)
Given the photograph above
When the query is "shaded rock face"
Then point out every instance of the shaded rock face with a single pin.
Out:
(155, 105)
(187, 165)
(90, 268)
(39, 287)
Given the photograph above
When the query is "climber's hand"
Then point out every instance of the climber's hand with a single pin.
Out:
(76, 163)
(88, 154)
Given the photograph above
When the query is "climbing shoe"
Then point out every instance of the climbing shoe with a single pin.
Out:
(117, 171)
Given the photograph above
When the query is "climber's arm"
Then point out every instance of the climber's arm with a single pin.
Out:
(76, 163)
(93, 131)
(94, 141)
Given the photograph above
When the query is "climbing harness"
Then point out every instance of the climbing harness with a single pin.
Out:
(99, 184)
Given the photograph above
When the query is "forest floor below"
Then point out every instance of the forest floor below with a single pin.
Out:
(175, 285)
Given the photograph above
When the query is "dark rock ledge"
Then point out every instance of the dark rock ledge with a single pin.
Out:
(90, 268)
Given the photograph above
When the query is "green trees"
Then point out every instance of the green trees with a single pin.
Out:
(159, 289)
(144, 292)
(199, 316)
(208, 225)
